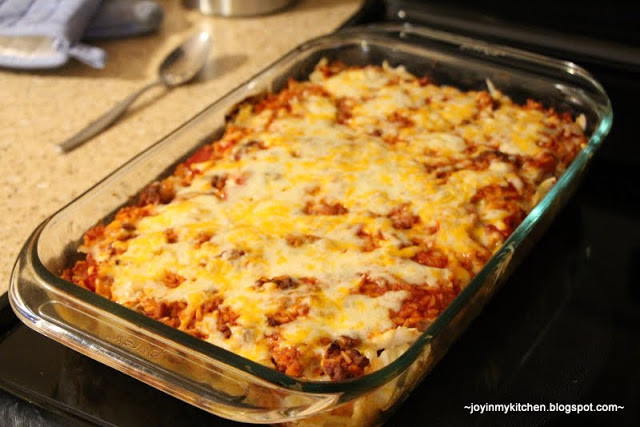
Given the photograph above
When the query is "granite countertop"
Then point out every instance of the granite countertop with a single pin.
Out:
(40, 109)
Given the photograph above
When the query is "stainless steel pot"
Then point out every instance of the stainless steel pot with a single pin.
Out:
(237, 7)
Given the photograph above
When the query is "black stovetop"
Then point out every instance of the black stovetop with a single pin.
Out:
(563, 329)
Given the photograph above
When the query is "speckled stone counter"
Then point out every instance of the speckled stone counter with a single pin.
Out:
(39, 109)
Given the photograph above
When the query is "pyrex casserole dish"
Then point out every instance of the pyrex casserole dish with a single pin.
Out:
(234, 387)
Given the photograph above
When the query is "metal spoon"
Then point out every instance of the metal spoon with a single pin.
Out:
(179, 67)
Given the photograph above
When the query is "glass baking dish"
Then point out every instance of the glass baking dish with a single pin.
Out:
(232, 386)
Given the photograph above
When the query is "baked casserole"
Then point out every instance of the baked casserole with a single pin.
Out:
(334, 220)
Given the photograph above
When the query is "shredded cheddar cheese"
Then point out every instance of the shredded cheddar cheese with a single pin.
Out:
(333, 220)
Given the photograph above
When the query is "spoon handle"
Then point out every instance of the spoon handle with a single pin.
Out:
(104, 121)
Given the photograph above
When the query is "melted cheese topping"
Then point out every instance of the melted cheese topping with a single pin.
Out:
(357, 176)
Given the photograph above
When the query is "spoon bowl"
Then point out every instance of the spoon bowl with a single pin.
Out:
(185, 61)
(180, 66)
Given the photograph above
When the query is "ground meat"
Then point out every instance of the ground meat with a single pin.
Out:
(343, 110)
(474, 260)
(345, 342)
(94, 235)
(400, 119)
(483, 160)
(157, 192)
(497, 194)
(296, 240)
(431, 258)
(505, 198)
(83, 273)
(342, 361)
(485, 101)
(231, 254)
(310, 281)
(183, 174)
(218, 183)
(126, 232)
(402, 218)
(226, 318)
(189, 318)
(128, 227)
(287, 360)
(166, 312)
(563, 138)
(249, 101)
(172, 280)
(287, 314)
(546, 163)
(248, 147)
(323, 207)
(171, 235)
(423, 306)
(513, 221)
(375, 287)
(369, 242)
(281, 282)
(209, 306)
(129, 216)
(203, 237)
(285, 99)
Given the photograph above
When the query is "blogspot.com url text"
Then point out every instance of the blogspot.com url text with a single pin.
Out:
(567, 408)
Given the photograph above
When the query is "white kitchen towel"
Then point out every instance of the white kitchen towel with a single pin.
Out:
(45, 33)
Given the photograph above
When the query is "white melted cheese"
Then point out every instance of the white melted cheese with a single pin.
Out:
(310, 157)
